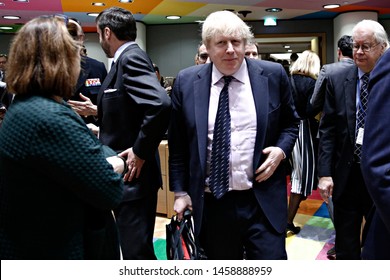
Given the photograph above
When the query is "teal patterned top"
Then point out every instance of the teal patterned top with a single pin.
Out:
(52, 171)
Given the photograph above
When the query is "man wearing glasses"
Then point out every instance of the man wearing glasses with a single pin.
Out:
(341, 133)
(202, 55)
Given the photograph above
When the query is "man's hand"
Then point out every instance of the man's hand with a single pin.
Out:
(133, 162)
(182, 203)
(83, 108)
(325, 187)
(93, 128)
(275, 156)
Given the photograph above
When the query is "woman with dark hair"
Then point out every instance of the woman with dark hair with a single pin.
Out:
(58, 182)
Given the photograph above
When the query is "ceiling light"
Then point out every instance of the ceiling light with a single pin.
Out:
(6, 27)
(270, 22)
(126, 1)
(100, 4)
(173, 17)
(244, 13)
(331, 6)
(24, 1)
(93, 14)
(11, 17)
(273, 10)
(289, 50)
(286, 46)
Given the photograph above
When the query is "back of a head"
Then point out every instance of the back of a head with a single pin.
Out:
(44, 59)
(308, 64)
(345, 45)
(225, 23)
(75, 30)
(120, 21)
(294, 57)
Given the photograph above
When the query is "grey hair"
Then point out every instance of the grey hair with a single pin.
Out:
(379, 32)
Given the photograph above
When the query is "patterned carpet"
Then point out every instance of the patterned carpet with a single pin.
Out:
(312, 243)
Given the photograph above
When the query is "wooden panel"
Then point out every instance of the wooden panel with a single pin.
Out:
(165, 197)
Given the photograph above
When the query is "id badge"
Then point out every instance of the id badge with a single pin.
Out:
(359, 138)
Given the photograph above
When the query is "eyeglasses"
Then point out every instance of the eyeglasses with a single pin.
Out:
(364, 47)
(61, 17)
(203, 56)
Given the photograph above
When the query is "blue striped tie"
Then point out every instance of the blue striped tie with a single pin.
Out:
(361, 113)
(220, 154)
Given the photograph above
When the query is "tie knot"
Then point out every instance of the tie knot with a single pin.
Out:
(227, 80)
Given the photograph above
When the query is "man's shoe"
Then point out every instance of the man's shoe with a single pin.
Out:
(331, 252)
(293, 229)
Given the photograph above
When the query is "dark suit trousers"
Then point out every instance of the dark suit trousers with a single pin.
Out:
(135, 220)
(235, 227)
(349, 210)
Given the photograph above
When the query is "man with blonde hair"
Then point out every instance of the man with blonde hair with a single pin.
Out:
(233, 123)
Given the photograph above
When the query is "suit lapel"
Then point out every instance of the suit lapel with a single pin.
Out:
(202, 100)
(350, 101)
(112, 74)
(107, 81)
(260, 91)
(84, 72)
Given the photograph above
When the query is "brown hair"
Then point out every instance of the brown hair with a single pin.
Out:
(43, 60)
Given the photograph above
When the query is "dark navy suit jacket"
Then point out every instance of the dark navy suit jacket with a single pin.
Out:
(337, 128)
(277, 125)
(133, 111)
(92, 75)
(375, 162)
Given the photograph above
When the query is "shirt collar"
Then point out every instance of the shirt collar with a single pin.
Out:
(240, 75)
(361, 73)
(120, 50)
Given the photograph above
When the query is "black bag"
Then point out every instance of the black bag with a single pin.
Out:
(180, 239)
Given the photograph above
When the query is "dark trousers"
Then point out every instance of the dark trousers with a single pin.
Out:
(349, 210)
(235, 227)
(135, 220)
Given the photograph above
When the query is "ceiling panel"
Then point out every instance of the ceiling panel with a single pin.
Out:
(153, 12)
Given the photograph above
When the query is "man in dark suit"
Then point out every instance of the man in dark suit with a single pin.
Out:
(376, 160)
(344, 59)
(341, 133)
(250, 218)
(92, 75)
(133, 116)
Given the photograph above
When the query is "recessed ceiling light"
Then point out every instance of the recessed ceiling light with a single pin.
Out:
(289, 50)
(100, 4)
(286, 46)
(173, 17)
(23, 1)
(274, 10)
(93, 14)
(11, 17)
(331, 6)
(126, 1)
(6, 27)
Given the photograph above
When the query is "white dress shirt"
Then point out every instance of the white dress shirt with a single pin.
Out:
(243, 126)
